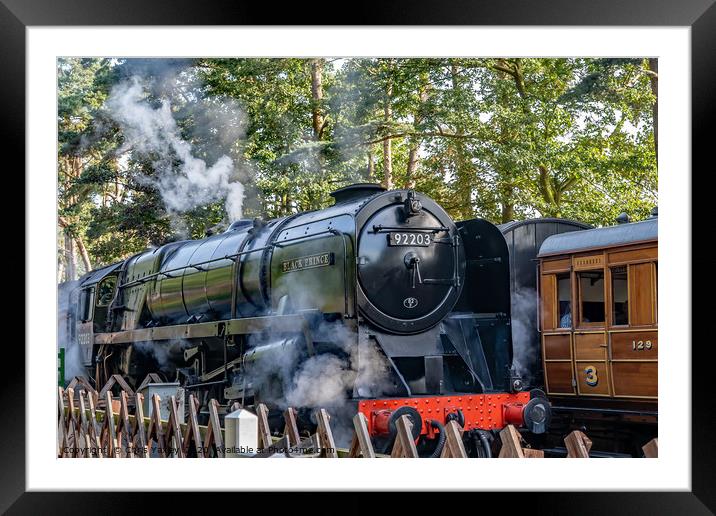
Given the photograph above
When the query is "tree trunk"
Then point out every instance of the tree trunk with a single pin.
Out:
(284, 203)
(507, 205)
(61, 269)
(507, 213)
(317, 97)
(545, 185)
(552, 190)
(654, 67)
(387, 143)
(417, 119)
(84, 254)
(514, 69)
(70, 273)
(464, 174)
(317, 118)
(412, 167)
(371, 167)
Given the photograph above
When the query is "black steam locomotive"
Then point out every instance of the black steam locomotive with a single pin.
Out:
(413, 306)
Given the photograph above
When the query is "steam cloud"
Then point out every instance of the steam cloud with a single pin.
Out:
(325, 380)
(73, 353)
(183, 180)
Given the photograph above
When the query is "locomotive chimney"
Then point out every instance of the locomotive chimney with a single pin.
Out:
(623, 218)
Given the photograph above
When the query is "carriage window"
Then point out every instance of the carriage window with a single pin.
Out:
(591, 296)
(620, 296)
(86, 303)
(564, 296)
(642, 291)
(105, 291)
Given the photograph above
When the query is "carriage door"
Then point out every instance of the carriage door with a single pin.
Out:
(556, 324)
(633, 326)
(590, 337)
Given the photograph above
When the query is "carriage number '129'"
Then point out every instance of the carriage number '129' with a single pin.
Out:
(640, 345)
(419, 239)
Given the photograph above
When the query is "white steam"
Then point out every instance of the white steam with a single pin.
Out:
(330, 382)
(325, 380)
(164, 354)
(321, 381)
(156, 351)
(183, 180)
(65, 318)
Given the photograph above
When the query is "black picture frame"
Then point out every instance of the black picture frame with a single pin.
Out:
(700, 15)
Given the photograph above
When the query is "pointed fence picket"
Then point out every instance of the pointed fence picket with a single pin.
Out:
(120, 429)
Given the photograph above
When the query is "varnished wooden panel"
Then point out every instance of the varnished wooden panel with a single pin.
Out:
(634, 255)
(589, 346)
(558, 377)
(595, 261)
(641, 294)
(592, 378)
(548, 301)
(635, 345)
(560, 265)
(556, 347)
(638, 379)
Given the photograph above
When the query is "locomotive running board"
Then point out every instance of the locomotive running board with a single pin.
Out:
(272, 324)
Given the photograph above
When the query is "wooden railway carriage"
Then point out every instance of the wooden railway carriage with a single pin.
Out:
(598, 320)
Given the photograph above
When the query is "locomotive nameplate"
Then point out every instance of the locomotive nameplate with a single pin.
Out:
(308, 262)
(409, 239)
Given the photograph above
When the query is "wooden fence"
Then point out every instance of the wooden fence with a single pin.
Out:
(84, 430)
(94, 424)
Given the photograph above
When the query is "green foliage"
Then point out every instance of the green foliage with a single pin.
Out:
(496, 138)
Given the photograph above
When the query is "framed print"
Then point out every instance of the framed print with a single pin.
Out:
(435, 235)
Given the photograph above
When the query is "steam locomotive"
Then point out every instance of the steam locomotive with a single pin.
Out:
(384, 274)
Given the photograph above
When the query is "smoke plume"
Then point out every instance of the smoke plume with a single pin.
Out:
(183, 180)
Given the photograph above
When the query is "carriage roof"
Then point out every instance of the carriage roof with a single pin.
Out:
(599, 238)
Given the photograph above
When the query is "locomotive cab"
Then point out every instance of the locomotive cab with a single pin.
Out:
(94, 295)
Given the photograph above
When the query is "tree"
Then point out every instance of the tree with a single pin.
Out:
(82, 87)
(498, 138)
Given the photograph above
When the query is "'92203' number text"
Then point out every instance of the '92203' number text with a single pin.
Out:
(419, 239)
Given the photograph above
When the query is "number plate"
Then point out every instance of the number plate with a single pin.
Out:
(410, 239)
